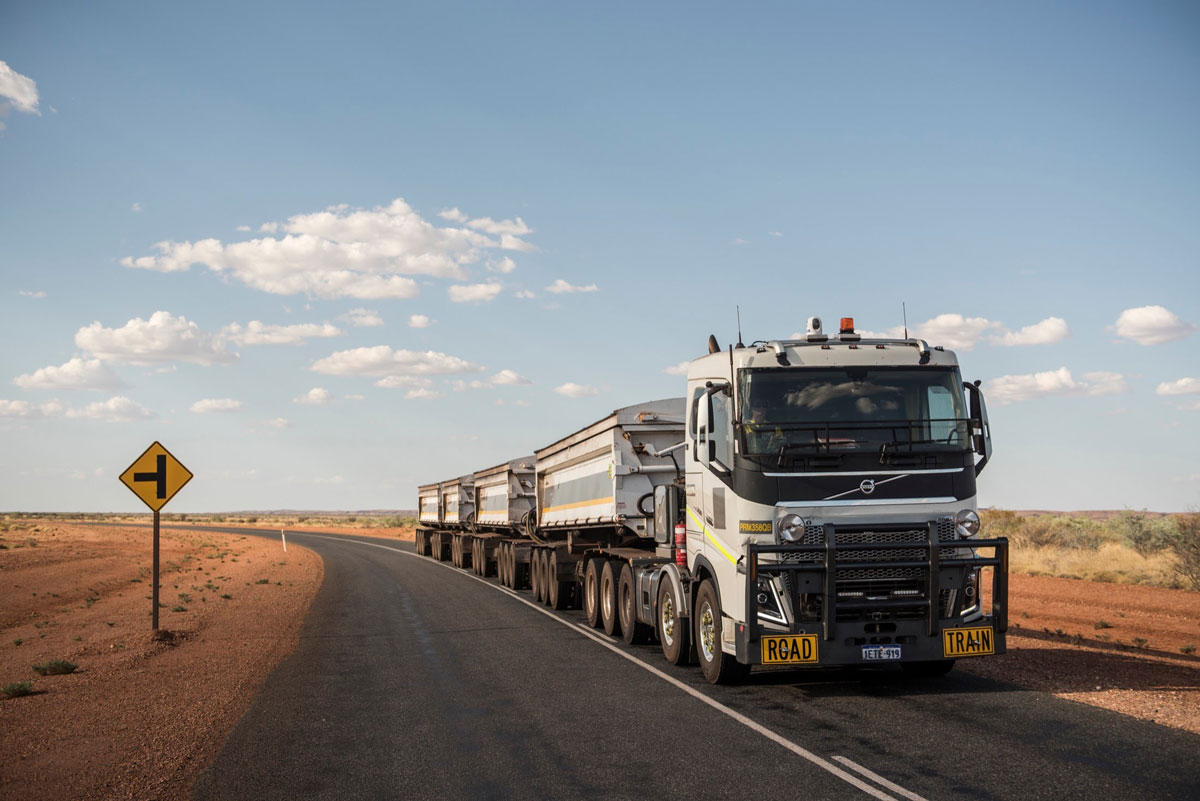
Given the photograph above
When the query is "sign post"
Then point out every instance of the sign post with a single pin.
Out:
(155, 477)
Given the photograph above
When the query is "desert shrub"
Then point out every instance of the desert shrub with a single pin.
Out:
(54, 667)
(16, 689)
(1185, 547)
(1060, 531)
(1143, 533)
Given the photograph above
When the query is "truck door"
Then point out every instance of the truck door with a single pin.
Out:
(715, 500)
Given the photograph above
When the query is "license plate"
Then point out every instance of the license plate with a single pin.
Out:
(789, 649)
(880, 653)
(977, 641)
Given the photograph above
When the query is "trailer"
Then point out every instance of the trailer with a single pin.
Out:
(594, 488)
(504, 500)
(429, 516)
(810, 502)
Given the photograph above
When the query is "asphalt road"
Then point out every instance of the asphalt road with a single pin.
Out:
(416, 680)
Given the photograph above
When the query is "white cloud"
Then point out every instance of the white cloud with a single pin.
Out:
(258, 333)
(474, 293)
(117, 409)
(20, 408)
(243, 228)
(502, 378)
(524, 294)
(1047, 332)
(1151, 325)
(739, 242)
(381, 361)
(74, 374)
(1180, 386)
(453, 215)
(279, 422)
(19, 90)
(161, 339)
(1105, 383)
(419, 321)
(950, 330)
(1013, 388)
(573, 390)
(208, 405)
(774, 233)
(135, 208)
(560, 287)
(504, 265)
(402, 381)
(363, 318)
(422, 393)
(32, 293)
(354, 397)
(317, 396)
(343, 252)
(510, 378)
(680, 369)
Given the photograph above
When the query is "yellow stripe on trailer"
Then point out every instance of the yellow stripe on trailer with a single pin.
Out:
(577, 505)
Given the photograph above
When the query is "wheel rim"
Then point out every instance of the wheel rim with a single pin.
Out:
(708, 632)
(591, 594)
(668, 620)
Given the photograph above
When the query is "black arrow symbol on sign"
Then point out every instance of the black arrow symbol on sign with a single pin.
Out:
(159, 475)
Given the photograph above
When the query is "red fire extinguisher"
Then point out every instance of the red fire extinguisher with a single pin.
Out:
(681, 545)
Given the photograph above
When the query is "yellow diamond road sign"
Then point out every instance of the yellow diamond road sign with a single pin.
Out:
(156, 476)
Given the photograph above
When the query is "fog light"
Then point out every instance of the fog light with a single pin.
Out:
(968, 523)
(791, 528)
(762, 599)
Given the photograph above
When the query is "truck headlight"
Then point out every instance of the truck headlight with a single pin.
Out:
(968, 521)
(791, 528)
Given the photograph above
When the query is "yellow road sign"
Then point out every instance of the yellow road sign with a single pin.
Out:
(156, 476)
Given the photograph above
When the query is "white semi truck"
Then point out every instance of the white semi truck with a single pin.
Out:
(808, 502)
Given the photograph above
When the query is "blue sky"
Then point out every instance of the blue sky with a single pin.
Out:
(1025, 178)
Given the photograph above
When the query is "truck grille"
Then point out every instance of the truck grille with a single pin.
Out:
(879, 583)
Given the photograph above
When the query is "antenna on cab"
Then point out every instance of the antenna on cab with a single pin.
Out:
(739, 319)
(904, 312)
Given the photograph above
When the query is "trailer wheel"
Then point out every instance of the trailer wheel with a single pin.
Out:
(609, 613)
(673, 634)
(502, 563)
(591, 592)
(435, 545)
(718, 667)
(633, 632)
(560, 591)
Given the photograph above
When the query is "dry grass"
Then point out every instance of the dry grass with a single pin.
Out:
(1113, 562)
(1124, 548)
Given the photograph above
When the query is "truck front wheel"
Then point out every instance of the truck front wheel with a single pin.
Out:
(608, 598)
(718, 667)
(672, 628)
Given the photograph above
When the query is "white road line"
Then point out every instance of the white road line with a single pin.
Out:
(779, 739)
(895, 788)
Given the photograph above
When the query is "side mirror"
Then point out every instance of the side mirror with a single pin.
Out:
(704, 444)
(666, 513)
(981, 431)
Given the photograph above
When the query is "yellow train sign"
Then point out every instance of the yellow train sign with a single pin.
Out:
(156, 476)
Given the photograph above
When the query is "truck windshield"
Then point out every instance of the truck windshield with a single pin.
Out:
(851, 409)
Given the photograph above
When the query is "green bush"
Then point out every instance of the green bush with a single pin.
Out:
(16, 689)
(54, 667)
(1185, 547)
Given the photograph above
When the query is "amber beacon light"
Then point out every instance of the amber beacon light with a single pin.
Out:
(847, 325)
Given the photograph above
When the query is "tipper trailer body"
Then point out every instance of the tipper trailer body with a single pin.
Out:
(809, 502)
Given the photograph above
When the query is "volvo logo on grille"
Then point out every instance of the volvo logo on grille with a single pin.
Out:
(867, 486)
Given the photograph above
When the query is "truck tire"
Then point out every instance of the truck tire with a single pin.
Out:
(632, 632)
(718, 667)
(921, 670)
(436, 545)
(609, 613)
(535, 574)
(502, 564)
(560, 591)
(672, 629)
(591, 592)
(455, 547)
